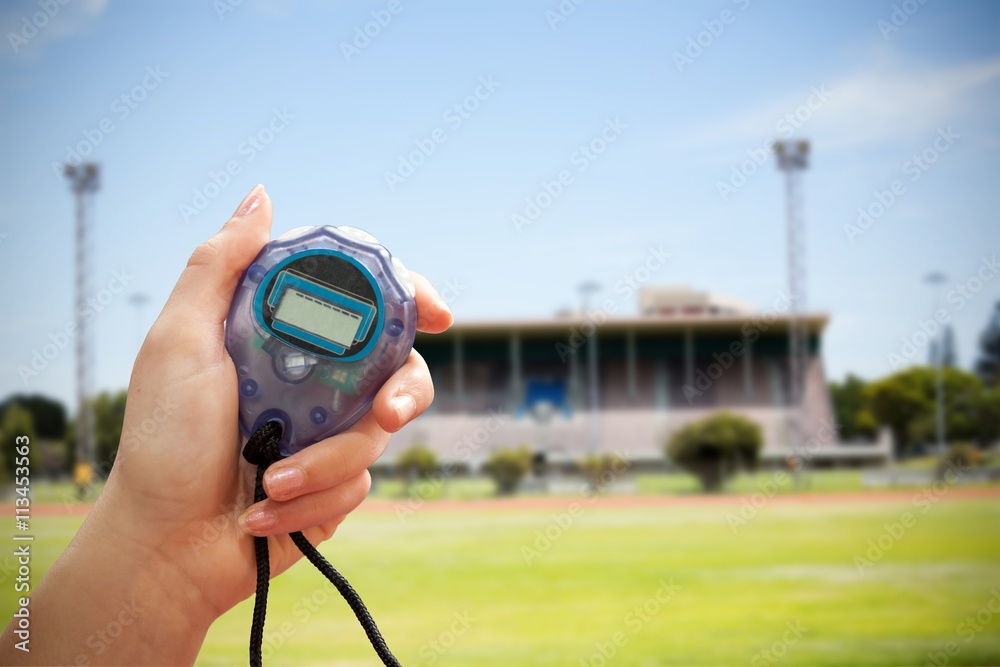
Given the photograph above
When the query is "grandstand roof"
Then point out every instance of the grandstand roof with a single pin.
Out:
(698, 322)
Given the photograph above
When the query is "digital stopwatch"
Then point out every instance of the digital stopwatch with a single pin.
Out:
(319, 321)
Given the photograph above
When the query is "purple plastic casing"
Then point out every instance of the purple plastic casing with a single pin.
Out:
(315, 397)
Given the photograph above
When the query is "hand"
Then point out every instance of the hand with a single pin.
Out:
(171, 502)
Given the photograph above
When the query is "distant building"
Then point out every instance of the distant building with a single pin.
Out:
(988, 364)
(686, 355)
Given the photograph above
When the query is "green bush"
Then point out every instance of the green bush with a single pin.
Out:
(508, 467)
(714, 447)
(601, 469)
(960, 456)
(416, 462)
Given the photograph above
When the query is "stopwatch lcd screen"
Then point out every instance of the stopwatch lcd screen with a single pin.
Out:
(318, 317)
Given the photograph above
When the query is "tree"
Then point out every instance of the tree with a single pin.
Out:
(416, 462)
(849, 411)
(508, 467)
(48, 415)
(904, 401)
(109, 413)
(988, 417)
(16, 421)
(988, 365)
(714, 447)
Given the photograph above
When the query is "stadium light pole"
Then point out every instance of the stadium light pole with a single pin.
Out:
(935, 279)
(587, 290)
(138, 301)
(84, 180)
(793, 159)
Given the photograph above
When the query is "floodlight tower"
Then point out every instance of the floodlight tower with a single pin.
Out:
(793, 159)
(84, 180)
(935, 279)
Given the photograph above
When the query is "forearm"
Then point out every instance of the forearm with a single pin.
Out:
(110, 600)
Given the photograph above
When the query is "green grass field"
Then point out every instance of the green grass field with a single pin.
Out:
(596, 584)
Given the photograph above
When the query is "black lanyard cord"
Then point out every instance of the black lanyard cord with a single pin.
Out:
(262, 450)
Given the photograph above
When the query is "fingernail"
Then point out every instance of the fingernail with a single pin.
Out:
(284, 481)
(444, 304)
(404, 406)
(250, 202)
(258, 520)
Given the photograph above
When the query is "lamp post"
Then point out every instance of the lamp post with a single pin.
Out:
(588, 289)
(84, 180)
(936, 279)
(138, 301)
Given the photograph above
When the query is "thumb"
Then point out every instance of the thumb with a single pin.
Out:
(200, 300)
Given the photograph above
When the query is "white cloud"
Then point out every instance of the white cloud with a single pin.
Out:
(887, 103)
(28, 28)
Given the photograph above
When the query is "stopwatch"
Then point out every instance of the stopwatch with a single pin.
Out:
(319, 321)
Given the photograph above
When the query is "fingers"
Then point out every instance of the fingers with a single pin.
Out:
(405, 395)
(433, 314)
(332, 461)
(205, 289)
(272, 517)
(327, 463)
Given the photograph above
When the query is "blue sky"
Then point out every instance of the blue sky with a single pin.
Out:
(878, 97)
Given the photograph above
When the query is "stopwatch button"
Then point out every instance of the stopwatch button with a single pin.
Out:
(404, 276)
(292, 233)
(357, 234)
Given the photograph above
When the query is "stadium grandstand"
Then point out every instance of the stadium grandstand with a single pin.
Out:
(685, 355)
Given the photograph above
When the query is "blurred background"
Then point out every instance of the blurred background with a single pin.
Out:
(723, 382)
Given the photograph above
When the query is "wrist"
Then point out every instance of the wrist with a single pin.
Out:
(128, 544)
(138, 607)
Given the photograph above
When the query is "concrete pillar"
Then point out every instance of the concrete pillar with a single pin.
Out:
(459, 360)
(630, 379)
(747, 367)
(689, 356)
(515, 368)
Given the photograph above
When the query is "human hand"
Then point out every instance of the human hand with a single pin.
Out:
(179, 468)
